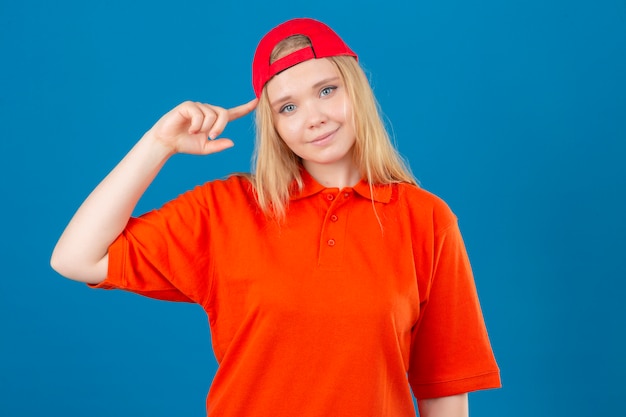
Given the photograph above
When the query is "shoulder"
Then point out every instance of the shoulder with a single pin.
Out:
(424, 205)
(229, 184)
(234, 190)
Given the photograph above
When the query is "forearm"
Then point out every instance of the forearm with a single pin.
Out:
(453, 406)
(81, 252)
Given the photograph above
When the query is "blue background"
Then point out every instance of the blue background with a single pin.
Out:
(513, 111)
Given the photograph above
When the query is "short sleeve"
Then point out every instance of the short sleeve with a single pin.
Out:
(164, 254)
(450, 349)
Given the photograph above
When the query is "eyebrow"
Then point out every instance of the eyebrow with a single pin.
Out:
(313, 87)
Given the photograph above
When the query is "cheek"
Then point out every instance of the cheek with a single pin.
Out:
(289, 130)
(343, 110)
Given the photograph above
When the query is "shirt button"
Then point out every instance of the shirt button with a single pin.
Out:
(330, 197)
(346, 195)
(334, 218)
(331, 242)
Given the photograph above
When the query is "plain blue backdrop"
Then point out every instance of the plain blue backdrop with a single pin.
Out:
(512, 111)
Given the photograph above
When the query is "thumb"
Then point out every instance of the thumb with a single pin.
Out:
(217, 145)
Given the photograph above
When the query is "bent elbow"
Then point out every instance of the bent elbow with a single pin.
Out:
(69, 267)
(57, 263)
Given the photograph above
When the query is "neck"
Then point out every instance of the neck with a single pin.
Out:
(337, 175)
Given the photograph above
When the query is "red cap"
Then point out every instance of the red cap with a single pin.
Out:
(324, 43)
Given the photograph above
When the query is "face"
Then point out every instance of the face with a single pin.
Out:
(313, 114)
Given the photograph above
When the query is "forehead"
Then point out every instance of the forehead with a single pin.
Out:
(301, 78)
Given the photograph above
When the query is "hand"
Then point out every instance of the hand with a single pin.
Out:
(186, 127)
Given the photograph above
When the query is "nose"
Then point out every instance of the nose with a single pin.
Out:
(316, 114)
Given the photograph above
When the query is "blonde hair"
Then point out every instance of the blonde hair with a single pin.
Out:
(277, 169)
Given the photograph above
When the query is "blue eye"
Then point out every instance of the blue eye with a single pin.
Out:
(287, 108)
(327, 91)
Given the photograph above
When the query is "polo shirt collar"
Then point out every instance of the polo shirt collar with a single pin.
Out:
(381, 193)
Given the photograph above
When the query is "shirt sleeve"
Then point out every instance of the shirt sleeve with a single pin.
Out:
(450, 351)
(164, 254)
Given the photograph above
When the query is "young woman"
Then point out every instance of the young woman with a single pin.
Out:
(333, 284)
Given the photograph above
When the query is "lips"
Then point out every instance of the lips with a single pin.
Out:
(323, 138)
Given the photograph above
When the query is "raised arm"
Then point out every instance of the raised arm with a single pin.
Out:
(81, 253)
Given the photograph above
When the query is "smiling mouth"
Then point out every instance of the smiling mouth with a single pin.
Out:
(323, 138)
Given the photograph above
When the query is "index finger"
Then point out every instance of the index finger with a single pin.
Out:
(242, 110)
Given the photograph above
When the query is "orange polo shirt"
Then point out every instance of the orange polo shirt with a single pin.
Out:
(339, 310)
